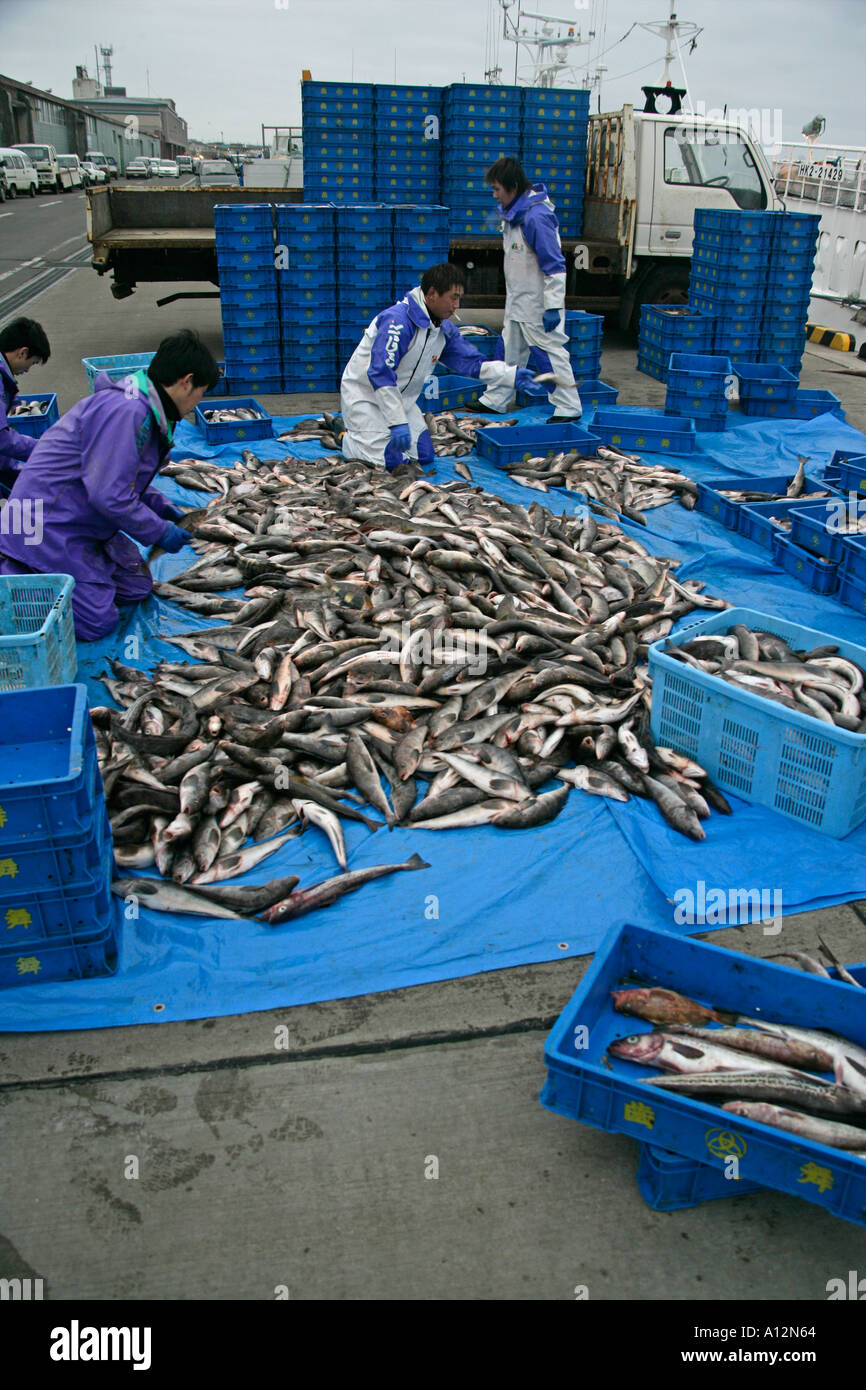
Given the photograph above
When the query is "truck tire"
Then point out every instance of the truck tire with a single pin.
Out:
(33, 190)
(667, 284)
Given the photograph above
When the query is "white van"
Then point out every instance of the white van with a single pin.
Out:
(44, 160)
(21, 177)
(70, 164)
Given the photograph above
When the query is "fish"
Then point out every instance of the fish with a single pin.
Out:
(324, 893)
(822, 1097)
(666, 1006)
(834, 1133)
(169, 897)
(789, 1051)
(326, 821)
(690, 1055)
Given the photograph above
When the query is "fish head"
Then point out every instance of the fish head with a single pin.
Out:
(637, 1047)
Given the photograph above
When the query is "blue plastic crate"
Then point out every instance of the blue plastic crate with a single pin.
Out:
(37, 647)
(348, 196)
(821, 576)
(722, 249)
(260, 299)
(768, 754)
(711, 500)
(75, 863)
(450, 392)
(698, 374)
(39, 962)
(297, 279)
(808, 404)
(853, 563)
(303, 217)
(260, 428)
(353, 169)
(852, 592)
(759, 239)
(312, 350)
(305, 303)
(258, 280)
(801, 260)
(244, 384)
(298, 385)
(791, 363)
(258, 239)
(763, 381)
(116, 367)
(35, 425)
(722, 294)
(727, 277)
(49, 782)
(787, 342)
(852, 472)
(502, 445)
(582, 327)
(586, 1084)
(644, 429)
(585, 363)
(241, 217)
(237, 336)
(734, 220)
(686, 403)
(237, 357)
(669, 1182)
(788, 278)
(816, 528)
(650, 367)
(755, 519)
(336, 91)
(291, 258)
(594, 393)
(730, 342)
(788, 226)
(32, 917)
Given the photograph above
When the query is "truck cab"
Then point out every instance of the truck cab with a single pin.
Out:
(97, 158)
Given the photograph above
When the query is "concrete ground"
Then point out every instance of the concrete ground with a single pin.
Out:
(394, 1148)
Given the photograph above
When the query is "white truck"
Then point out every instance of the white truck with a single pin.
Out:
(646, 174)
(51, 175)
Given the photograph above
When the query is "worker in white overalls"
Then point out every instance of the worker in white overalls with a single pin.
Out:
(534, 287)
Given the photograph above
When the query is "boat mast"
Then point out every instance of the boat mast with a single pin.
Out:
(671, 30)
(550, 46)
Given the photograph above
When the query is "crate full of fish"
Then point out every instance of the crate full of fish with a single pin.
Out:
(814, 571)
(519, 443)
(622, 427)
(796, 755)
(722, 498)
(234, 419)
(748, 1060)
(33, 415)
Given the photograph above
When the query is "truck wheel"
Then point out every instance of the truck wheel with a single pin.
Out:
(33, 190)
(665, 285)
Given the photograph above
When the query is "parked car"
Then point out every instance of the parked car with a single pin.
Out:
(168, 169)
(94, 175)
(138, 169)
(98, 158)
(20, 174)
(113, 167)
(184, 163)
(218, 173)
(69, 163)
(44, 159)
(153, 163)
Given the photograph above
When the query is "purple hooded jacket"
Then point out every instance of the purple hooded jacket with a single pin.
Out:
(91, 472)
(15, 448)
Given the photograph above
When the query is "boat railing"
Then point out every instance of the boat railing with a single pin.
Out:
(830, 175)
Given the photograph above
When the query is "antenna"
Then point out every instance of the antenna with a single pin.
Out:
(107, 55)
(671, 30)
(550, 44)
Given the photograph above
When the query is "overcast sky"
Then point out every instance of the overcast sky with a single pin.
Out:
(231, 65)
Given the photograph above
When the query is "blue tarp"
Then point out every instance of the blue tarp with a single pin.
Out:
(490, 898)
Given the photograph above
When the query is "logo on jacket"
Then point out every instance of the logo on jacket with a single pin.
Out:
(392, 342)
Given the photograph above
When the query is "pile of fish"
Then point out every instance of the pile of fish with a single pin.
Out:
(764, 1071)
(324, 431)
(611, 481)
(819, 682)
(222, 416)
(29, 408)
(390, 628)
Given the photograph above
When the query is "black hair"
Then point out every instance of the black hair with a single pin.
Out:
(442, 278)
(508, 172)
(180, 354)
(25, 333)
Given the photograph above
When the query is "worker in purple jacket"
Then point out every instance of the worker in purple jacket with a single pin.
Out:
(22, 344)
(89, 477)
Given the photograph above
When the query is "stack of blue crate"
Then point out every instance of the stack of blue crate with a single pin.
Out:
(365, 279)
(306, 250)
(248, 296)
(339, 138)
(419, 239)
(481, 125)
(59, 919)
(730, 255)
(789, 286)
(667, 328)
(553, 149)
(584, 344)
(407, 150)
(698, 386)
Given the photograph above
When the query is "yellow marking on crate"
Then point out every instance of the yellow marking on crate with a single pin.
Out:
(28, 965)
(722, 1143)
(17, 917)
(8, 868)
(821, 1177)
(3, 817)
(639, 1114)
